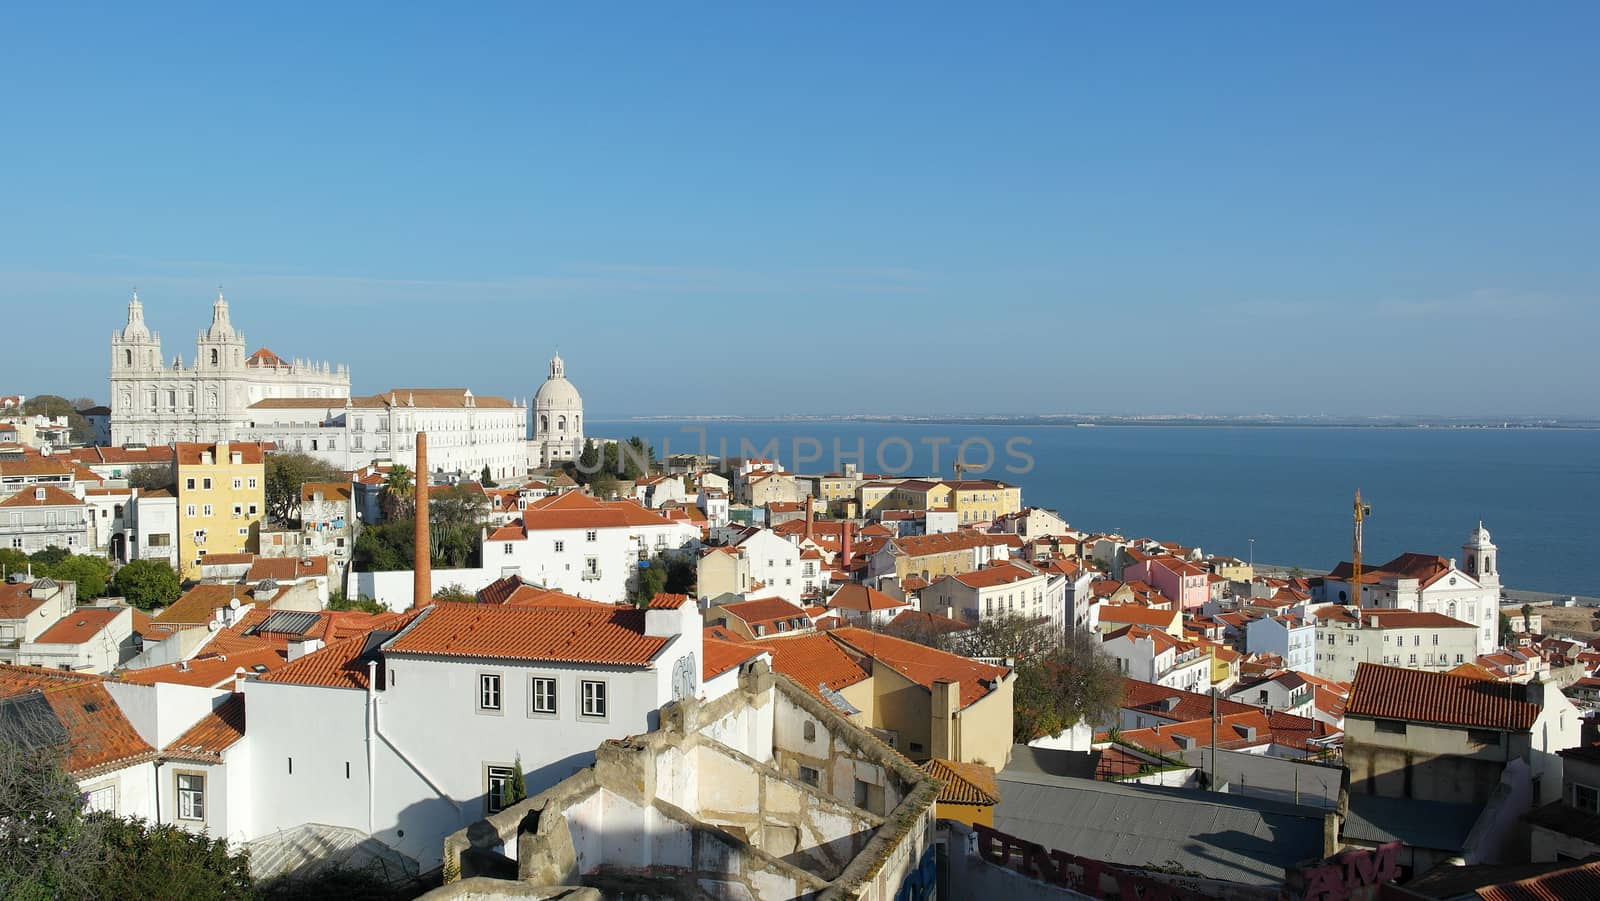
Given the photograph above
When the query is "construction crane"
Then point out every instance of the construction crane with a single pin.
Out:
(1362, 511)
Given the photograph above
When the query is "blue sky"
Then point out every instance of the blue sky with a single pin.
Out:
(913, 208)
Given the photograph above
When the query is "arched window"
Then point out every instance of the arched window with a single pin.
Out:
(577, 422)
(1488, 564)
(1450, 610)
(544, 423)
(1342, 597)
(561, 424)
(213, 356)
(127, 358)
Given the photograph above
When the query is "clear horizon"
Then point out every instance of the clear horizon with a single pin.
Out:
(1363, 212)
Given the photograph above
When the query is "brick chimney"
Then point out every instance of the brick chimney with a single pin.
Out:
(422, 566)
(809, 520)
(844, 544)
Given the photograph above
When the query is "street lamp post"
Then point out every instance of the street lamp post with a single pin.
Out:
(1252, 554)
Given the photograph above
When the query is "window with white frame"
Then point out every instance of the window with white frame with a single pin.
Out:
(542, 695)
(592, 695)
(102, 799)
(489, 692)
(591, 535)
(191, 796)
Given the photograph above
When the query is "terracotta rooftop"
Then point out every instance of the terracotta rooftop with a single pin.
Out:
(207, 670)
(79, 625)
(944, 542)
(250, 453)
(199, 603)
(863, 598)
(923, 665)
(1580, 881)
(75, 709)
(721, 656)
(964, 783)
(812, 660)
(41, 496)
(215, 732)
(1173, 704)
(1389, 618)
(1388, 692)
(1136, 615)
(915, 620)
(286, 569)
(1005, 573)
(763, 612)
(17, 600)
(612, 636)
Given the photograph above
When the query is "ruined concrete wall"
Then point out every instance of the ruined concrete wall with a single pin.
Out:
(840, 754)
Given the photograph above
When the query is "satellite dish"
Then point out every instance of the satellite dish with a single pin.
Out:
(233, 603)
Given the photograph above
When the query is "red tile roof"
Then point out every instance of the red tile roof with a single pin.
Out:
(41, 496)
(1389, 618)
(964, 783)
(1173, 704)
(200, 603)
(923, 665)
(914, 620)
(721, 656)
(1581, 881)
(611, 636)
(812, 660)
(1143, 616)
(99, 737)
(286, 569)
(666, 601)
(79, 626)
(1389, 692)
(991, 576)
(763, 612)
(250, 453)
(945, 542)
(17, 600)
(207, 671)
(215, 732)
(863, 598)
(340, 664)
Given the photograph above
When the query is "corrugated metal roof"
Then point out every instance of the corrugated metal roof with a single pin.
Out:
(1239, 840)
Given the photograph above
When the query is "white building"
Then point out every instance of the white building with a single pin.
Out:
(1004, 589)
(45, 516)
(465, 432)
(155, 403)
(150, 527)
(582, 546)
(1430, 584)
(414, 733)
(28, 608)
(557, 420)
(1293, 638)
(1151, 655)
(86, 640)
(1349, 636)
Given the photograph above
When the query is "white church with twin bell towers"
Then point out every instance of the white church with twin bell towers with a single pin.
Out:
(154, 401)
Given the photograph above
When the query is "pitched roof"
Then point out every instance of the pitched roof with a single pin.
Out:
(199, 603)
(286, 569)
(208, 670)
(42, 496)
(924, 665)
(812, 660)
(864, 598)
(1172, 703)
(944, 542)
(79, 625)
(214, 733)
(932, 622)
(611, 636)
(73, 709)
(721, 656)
(1580, 881)
(1390, 692)
(1004, 573)
(250, 453)
(1389, 618)
(576, 510)
(764, 611)
(1136, 615)
(964, 783)
(331, 491)
(17, 600)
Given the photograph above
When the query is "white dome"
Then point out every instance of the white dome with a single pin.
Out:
(1479, 536)
(557, 394)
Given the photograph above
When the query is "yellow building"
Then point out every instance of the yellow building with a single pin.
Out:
(983, 500)
(1232, 569)
(221, 501)
(970, 791)
(874, 496)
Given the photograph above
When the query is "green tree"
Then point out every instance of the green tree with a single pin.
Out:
(45, 559)
(1505, 629)
(147, 584)
(516, 789)
(89, 572)
(1059, 682)
(455, 516)
(150, 477)
(454, 593)
(285, 474)
(1527, 617)
(56, 405)
(46, 849)
(12, 561)
(589, 463)
(386, 547)
(398, 497)
(670, 573)
(485, 478)
(167, 861)
(338, 603)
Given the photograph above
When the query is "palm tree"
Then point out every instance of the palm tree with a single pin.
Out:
(396, 498)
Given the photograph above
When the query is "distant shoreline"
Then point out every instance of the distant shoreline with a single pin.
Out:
(1112, 422)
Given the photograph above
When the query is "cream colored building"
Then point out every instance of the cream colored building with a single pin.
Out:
(221, 501)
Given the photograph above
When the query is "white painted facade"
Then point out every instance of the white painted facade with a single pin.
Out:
(1293, 639)
(557, 420)
(599, 563)
(152, 527)
(154, 403)
(37, 518)
(1149, 658)
(775, 563)
(1341, 646)
(99, 653)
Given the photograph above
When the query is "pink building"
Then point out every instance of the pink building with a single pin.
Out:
(1178, 579)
